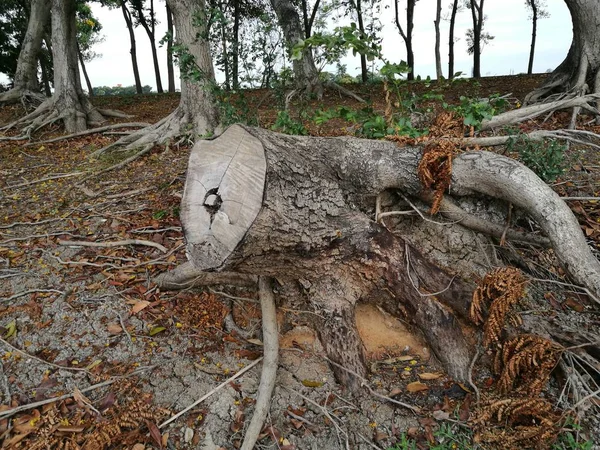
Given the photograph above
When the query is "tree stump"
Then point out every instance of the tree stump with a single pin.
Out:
(261, 203)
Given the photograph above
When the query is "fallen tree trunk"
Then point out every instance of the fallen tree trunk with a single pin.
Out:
(301, 210)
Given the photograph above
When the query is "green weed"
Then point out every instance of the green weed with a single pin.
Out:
(545, 158)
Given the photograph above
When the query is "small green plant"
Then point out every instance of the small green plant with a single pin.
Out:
(475, 111)
(447, 437)
(286, 124)
(545, 158)
(570, 439)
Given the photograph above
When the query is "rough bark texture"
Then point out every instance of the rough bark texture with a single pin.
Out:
(300, 210)
(580, 71)
(25, 79)
(305, 71)
(197, 106)
(69, 100)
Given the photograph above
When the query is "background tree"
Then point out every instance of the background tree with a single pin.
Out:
(144, 15)
(133, 49)
(476, 37)
(407, 36)
(436, 24)
(25, 78)
(170, 71)
(538, 11)
(88, 35)
(455, 7)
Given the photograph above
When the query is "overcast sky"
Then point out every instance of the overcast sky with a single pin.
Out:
(507, 54)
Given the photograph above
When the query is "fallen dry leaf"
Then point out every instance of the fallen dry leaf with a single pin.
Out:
(416, 386)
(139, 305)
(114, 328)
(429, 376)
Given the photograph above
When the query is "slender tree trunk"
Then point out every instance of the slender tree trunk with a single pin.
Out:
(236, 45)
(45, 77)
(69, 101)
(451, 40)
(533, 35)
(361, 27)
(436, 22)
(133, 51)
(407, 37)
(149, 28)
(477, 16)
(170, 71)
(305, 71)
(225, 57)
(85, 74)
(25, 78)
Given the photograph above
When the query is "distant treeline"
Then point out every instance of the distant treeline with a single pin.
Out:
(120, 90)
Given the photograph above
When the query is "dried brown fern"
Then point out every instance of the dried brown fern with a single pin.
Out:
(527, 357)
(503, 287)
(518, 423)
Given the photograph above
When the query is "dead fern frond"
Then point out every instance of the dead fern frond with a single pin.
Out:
(503, 287)
(435, 169)
(530, 358)
(518, 423)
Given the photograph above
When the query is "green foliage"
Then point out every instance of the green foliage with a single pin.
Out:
(545, 158)
(570, 439)
(120, 90)
(475, 111)
(447, 437)
(286, 124)
(234, 110)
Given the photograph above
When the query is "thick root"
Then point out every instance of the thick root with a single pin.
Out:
(270, 360)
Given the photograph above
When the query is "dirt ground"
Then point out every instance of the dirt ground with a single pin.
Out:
(90, 321)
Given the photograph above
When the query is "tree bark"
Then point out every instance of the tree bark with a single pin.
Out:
(133, 50)
(436, 23)
(580, 70)
(68, 100)
(451, 40)
(170, 72)
(305, 71)
(299, 209)
(26, 79)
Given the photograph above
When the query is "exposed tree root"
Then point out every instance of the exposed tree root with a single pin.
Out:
(529, 112)
(90, 131)
(114, 113)
(270, 359)
(186, 276)
(29, 99)
(166, 129)
(496, 176)
(583, 137)
(342, 90)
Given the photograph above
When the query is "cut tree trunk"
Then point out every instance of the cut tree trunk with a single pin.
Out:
(300, 210)
(25, 81)
(580, 71)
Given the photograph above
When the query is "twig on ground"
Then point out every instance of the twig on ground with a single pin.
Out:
(11, 412)
(90, 131)
(471, 366)
(204, 397)
(124, 328)
(39, 236)
(365, 383)
(31, 291)
(27, 355)
(114, 244)
(5, 385)
(54, 177)
(41, 222)
(270, 358)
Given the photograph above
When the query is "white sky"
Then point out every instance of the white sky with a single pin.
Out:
(507, 54)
